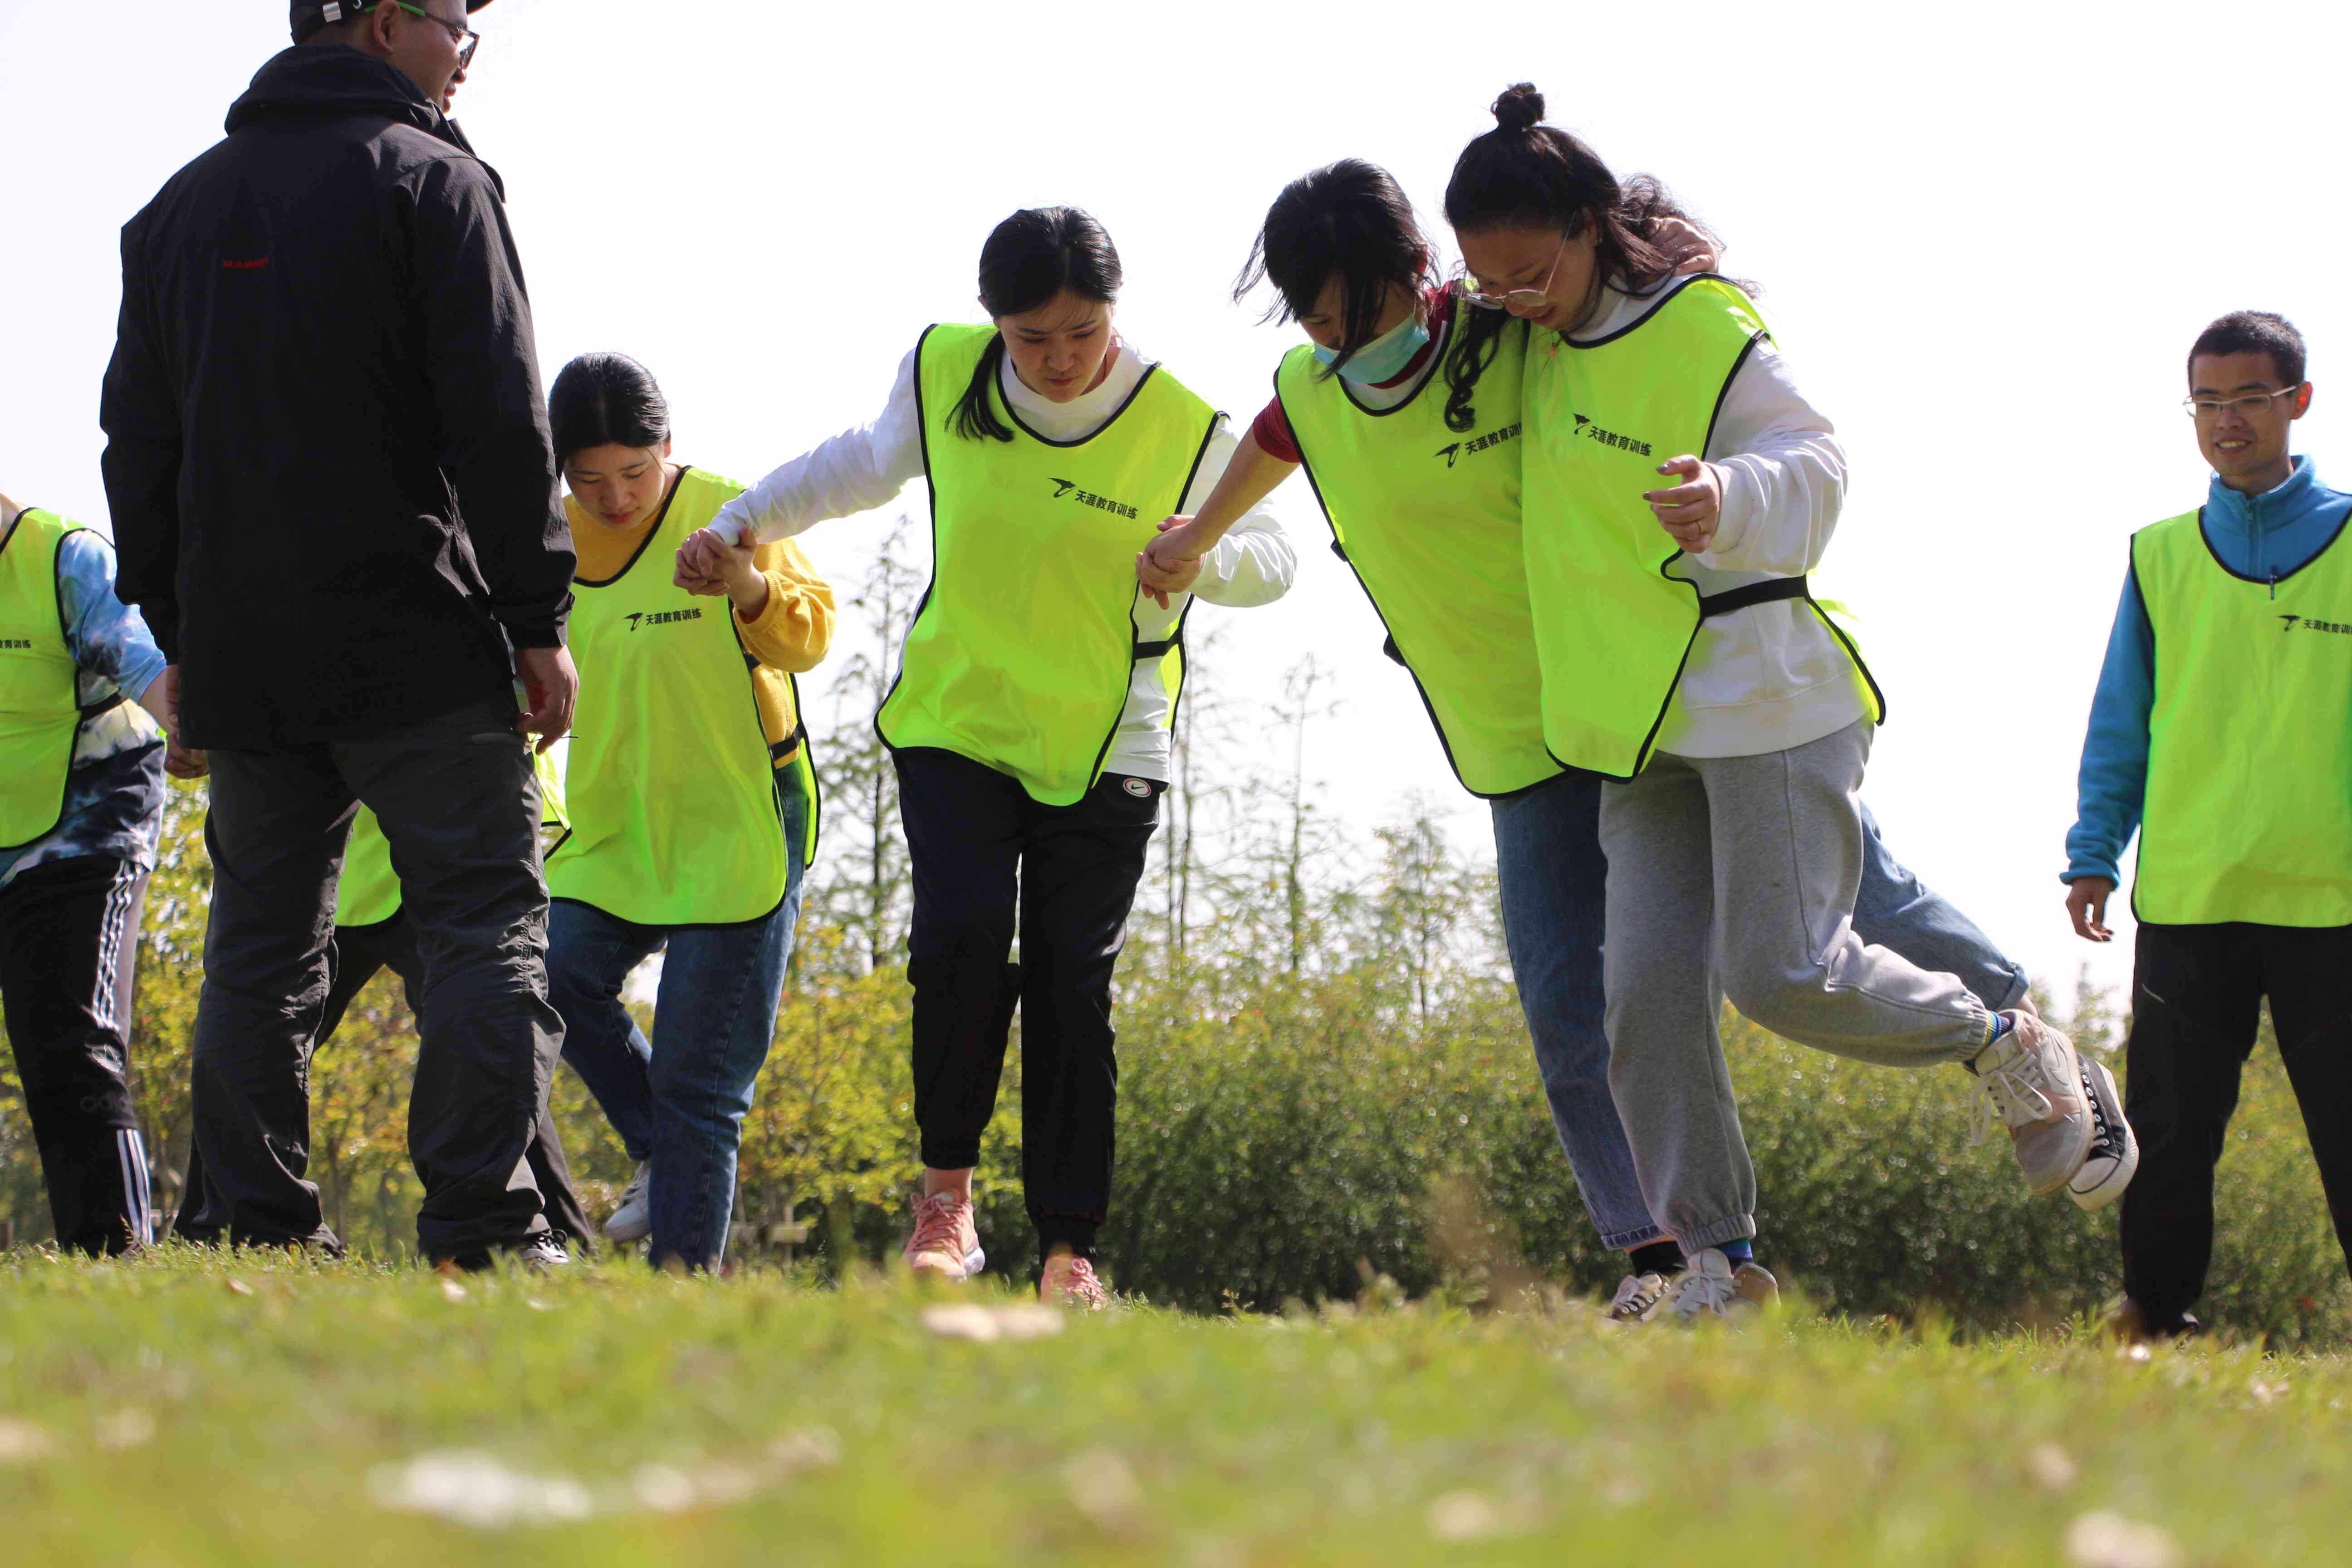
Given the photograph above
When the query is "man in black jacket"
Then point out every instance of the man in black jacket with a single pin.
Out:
(333, 492)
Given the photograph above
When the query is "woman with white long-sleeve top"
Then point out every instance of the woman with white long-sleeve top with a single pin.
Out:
(1030, 722)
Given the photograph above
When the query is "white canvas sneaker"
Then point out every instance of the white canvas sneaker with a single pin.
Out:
(2032, 1083)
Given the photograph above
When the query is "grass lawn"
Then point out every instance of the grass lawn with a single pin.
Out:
(203, 1410)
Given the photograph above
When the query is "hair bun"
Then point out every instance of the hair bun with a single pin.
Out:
(1519, 107)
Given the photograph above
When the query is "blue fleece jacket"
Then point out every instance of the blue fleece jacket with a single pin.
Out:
(2273, 533)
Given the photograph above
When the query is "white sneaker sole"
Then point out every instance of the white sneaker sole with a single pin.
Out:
(973, 1262)
(2102, 1181)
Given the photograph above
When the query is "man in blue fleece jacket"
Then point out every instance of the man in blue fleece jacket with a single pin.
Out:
(2221, 733)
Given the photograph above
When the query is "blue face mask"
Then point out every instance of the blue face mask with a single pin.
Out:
(1385, 357)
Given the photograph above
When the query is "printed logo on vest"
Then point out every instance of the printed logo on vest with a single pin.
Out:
(2304, 623)
(1476, 445)
(25, 644)
(1586, 427)
(663, 617)
(1069, 487)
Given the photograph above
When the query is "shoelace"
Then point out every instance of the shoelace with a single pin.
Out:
(1636, 1294)
(939, 1225)
(1082, 1285)
(2102, 1136)
(2014, 1091)
(1698, 1293)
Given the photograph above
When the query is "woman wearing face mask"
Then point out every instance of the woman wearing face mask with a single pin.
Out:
(1404, 407)
(693, 808)
(1029, 724)
(1682, 657)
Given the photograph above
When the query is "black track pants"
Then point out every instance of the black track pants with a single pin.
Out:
(68, 941)
(2197, 993)
(361, 952)
(989, 863)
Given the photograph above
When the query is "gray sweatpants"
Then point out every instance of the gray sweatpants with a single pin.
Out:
(1736, 876)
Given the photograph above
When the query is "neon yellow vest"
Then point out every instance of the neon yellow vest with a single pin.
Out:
(1020, 655)
(2249, 806)
(1612, 629)
(40, 709)
(1428, 518)
(675, 818)
(369, 892)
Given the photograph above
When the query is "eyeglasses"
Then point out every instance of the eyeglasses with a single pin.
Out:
(1526, 299)
(465, 38)
(2250, 407)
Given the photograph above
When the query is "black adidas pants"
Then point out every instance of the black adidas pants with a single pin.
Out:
(69, 942)
(989, 863)
(2197, 996)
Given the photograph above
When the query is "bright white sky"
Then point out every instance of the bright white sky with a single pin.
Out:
(1988, 232)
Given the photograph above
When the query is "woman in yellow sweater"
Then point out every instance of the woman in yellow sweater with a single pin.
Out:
(693, 808)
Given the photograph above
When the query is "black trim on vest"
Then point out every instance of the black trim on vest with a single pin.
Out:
(1174, 641)
(1436, 371)
(1388, 643)
(1768, 592)
(1660, 299)
(923, 440)
(653, 530)
(997, 391)
(2271, 582)
(1722, 396)
(1149, 650)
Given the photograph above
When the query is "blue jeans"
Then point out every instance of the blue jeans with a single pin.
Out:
(682, 1106)
(1553, 879)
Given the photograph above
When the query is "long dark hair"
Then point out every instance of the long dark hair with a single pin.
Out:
(1349, 220)
(1031, 256)
(606, 399)
(1352, 220)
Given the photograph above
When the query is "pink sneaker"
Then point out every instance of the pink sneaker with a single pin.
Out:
(1072, 1282)
(946, 1242)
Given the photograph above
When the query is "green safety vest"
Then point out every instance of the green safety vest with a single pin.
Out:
(2249, 807)
(673, 786)
(1613, 628)
(40, 709)
(369, 892)
(1022, 653)
(1428, 518)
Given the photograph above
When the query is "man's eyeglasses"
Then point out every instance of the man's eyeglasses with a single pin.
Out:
(465, 38)
(2249, 408)
(1529, 299)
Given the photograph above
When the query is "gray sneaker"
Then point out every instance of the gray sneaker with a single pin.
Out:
(1638, 1298)
(2032, 1083)
(633, 1220)
(1712, 1288)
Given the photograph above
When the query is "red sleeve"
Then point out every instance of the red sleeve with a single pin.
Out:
(1271, 431)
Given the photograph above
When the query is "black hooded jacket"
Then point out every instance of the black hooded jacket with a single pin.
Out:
(327, 459)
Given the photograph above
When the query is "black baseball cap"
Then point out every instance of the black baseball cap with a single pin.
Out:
(309, 16)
